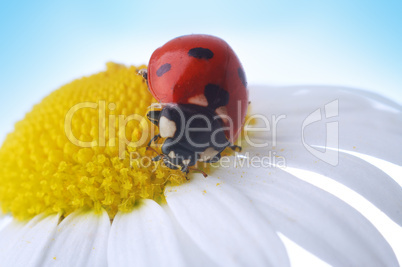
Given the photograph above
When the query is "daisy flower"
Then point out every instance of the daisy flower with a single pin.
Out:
(78, 188)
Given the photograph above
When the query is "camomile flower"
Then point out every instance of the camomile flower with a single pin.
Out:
(78, 186)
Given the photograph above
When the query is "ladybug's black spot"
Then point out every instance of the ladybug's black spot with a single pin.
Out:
(201, 53)
(163, 69)
(242, 76)
(216, 96)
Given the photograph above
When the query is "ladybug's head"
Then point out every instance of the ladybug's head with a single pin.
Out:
(192, 133)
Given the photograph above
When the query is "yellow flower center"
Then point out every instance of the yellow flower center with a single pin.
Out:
(84, 146)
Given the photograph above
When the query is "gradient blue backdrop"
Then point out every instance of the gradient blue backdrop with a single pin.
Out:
(45, 44)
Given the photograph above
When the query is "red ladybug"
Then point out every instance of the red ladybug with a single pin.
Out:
(202, 86)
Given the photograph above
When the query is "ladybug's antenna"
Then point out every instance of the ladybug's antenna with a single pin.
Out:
(153, 149)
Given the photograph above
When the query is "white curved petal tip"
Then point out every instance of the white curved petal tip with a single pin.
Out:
(144, 237)
(80, 240)
(25, 243)
(225, 224)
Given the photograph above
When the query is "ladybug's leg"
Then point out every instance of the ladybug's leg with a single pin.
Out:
(157, 158)
(198, 170)
(144, 74)
(235, 148)
(153, 116)
(154, 139)
(185, 169)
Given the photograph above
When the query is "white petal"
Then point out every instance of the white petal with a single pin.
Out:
(81, 240)
(225, 224)
(193, 254)
(144, 237)
(5, 220)
(368, 123)
(313, 218)
(24, 243)
(357, 174)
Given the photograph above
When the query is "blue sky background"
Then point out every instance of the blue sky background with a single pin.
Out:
(45, 44)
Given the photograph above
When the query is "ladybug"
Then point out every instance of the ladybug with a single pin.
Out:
(202, 87)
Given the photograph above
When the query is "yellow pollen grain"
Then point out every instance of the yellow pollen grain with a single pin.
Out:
(48, 167)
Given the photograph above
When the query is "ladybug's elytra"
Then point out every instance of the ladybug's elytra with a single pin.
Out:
(202, 86)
